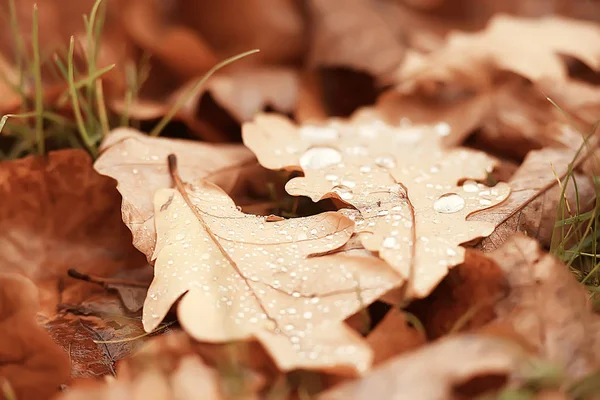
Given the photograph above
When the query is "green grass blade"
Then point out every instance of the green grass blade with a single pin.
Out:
(39, 90)
(185, 98)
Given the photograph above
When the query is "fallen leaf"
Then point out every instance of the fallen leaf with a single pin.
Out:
(58, 213)
(30, 362)
(434, 371)
(535, 194)
(548, 307)
(352, 34)
(240, 277)
(241, 92)
(474, 58)
(464, 301)
(393, 336)
(96, 334)
(488, 51)
(138, 163)
(165, 368)
(400, 179)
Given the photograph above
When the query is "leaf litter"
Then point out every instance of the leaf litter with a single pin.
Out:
(409, 276)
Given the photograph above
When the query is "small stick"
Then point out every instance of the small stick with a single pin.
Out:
(104, 281)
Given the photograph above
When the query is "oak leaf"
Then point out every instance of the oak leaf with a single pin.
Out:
(433, 372)
(137, 162)
(405, 186)
(475, 58)
(241, 277)
(548, 307)
(44, 230)
(534, 198)
(352, 34)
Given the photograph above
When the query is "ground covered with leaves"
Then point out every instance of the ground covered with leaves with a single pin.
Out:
(317, 199)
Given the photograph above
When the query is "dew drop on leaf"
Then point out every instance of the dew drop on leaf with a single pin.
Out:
(385, 161)
(449, 203)
(320, 157)
(344, 192)
(470, 186)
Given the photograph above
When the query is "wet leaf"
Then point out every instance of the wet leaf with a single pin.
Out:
(433, 371)
(405, 186)
(32, 364)
(548, 307)
(138, 163)
(244, 277)
(535, 194)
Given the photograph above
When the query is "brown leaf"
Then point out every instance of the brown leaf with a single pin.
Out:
(434, 371)
(464, 301)
(30, 362)
(535, 194)
(475, 58)
(393, 336)
(138, 163)
(58, 213)
(242, 277)
(403, 183)
(79, 327)
(165, 368)
(352, 34)
(548, 307)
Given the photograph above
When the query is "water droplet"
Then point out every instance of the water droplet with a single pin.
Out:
(365, 169)
(485, 202)
(179, 236)
(320, 157)
(442, 129)
(344, 192)
(135, 171)
(385, 161)
(318, 134)
(470, 186)
(449, 203)
(331, 177)
(307, 315)
(390, 242)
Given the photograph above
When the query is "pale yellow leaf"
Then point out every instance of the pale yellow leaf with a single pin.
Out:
(139, 164)
(242, 277)
(410, 204)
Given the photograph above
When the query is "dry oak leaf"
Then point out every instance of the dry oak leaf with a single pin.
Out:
(474, 58)
(404, 184)
(30, 362)
(242, 92)
(534, 198)
(166, 367)
(58, 213)
(548, 307)
(434, 371)
(240, 276)
(352, 34)
(138, 163)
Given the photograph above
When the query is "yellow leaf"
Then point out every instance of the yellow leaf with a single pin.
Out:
(410, 204)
